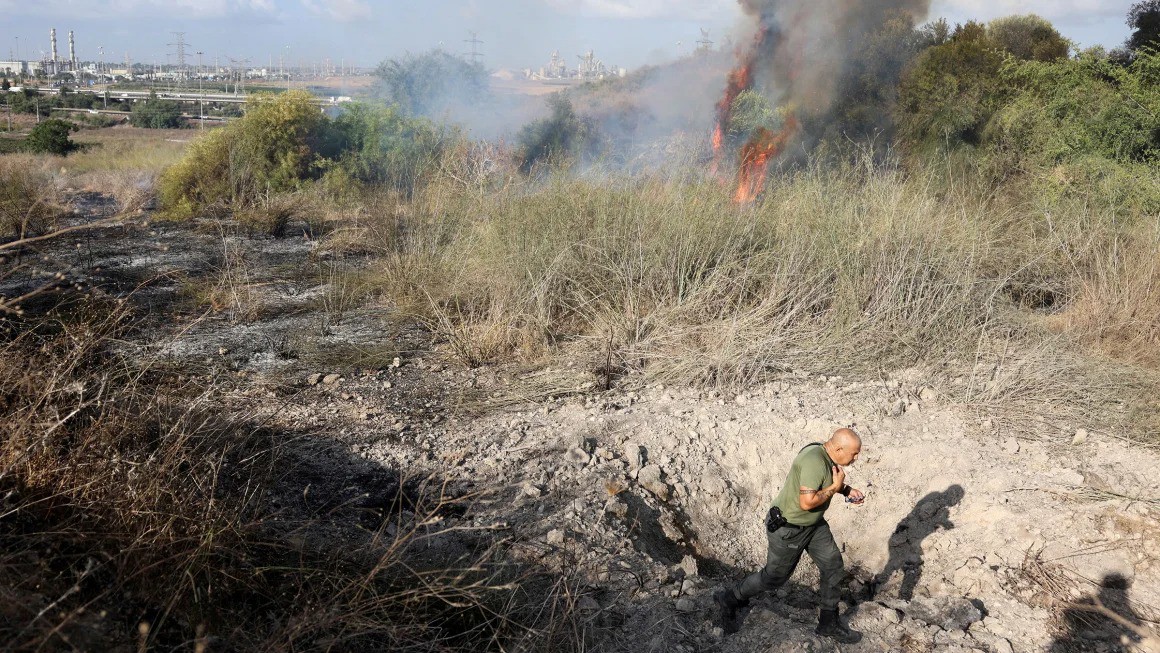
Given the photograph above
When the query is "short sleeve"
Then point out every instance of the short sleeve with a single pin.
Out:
(813, 471)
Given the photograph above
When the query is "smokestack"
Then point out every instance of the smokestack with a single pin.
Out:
(72, 50)
(52, 36)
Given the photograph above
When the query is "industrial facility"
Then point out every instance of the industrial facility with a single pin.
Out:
(588, 69)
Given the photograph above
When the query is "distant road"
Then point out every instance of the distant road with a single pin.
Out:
(220, 98)
(110, 112)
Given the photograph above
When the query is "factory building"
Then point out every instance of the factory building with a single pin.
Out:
(14, 68)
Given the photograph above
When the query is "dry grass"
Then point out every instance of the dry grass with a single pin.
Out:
(134, 514)
(30, 200)
(840, 269)
(1117, 303)
(127, 149)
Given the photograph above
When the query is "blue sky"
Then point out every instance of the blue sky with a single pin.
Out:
(516, 33)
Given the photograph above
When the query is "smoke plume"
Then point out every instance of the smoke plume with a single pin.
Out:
(802, 57)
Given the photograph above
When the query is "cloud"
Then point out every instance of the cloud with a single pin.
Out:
(629, 9)
(1050, 9)
(341, 10)
(194, 9)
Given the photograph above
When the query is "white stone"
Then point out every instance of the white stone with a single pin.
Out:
(1081, 436)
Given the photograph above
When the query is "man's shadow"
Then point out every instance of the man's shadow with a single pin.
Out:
(931, 513)
(1090, 628)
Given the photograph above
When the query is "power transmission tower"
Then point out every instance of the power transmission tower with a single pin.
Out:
(241, 79)
(182, 73)
(704, 45)
(475, 55)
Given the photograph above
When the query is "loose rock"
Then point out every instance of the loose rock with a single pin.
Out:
(689, 565)
(634, 454)
(578, 456)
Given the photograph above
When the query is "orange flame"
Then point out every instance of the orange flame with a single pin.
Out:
(718, 144)
(756, 155)
(739, 80)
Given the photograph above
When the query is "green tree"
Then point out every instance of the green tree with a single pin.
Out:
(155, 113)
(868, 93)
(952, 90)
(1144, 19)
(560, 137)
(430, 84)
(51, 137)
(1029, 38)
(5, 85)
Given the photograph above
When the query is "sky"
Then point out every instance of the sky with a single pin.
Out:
(515, 34)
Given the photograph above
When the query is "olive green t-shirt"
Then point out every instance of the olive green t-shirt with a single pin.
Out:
(813, 469)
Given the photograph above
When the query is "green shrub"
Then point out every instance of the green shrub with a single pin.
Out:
(561, 137)
(156, 113)
(284, 143)
(1090, 125)
(1029, 38)
(51, 137)
(203, 177)
(381, 146)
(269, 151)
(431, 83)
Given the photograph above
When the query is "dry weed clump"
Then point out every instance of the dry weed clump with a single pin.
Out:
(135, 515)
(131, 190)
(1117, 302)
(29, 201)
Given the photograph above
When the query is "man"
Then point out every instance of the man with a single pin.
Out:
(795, 524)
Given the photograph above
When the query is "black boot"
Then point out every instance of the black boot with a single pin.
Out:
(728, 606)
(829, 626)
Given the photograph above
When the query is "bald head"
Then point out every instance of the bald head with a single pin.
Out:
(844, 446)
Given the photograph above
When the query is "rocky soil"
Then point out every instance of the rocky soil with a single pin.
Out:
(971, 539)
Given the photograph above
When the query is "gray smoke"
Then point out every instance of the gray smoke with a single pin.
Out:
(805, 51)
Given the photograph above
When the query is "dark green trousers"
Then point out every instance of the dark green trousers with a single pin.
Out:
(786, 546)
